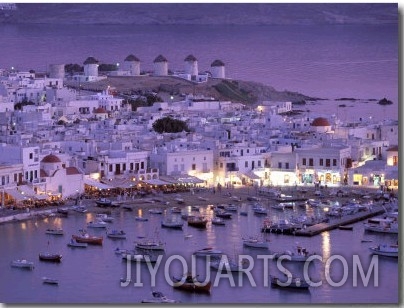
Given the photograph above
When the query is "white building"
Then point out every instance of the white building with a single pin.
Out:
(132, 65)
(191, 66)
(160, 64)
(217, 69)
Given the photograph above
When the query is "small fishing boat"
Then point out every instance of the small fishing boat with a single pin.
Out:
(97, 224)
(57, 231)
(208, 251)
(74, 243)
(115, 234)
(218, 221)
(50, 257)
(48, 280)
(103, 202)
(223, 214)
(295, 282)
(22, 264)
(104, 217)
(253, 242)
(387, 250)
(243, 213)
(159, 298)
(299, 254)
(86, 238)
(191, 284)
(172, 223)
(156, 211)
(142, 258)
(197, 222)
(345, 227)
(140, 218)
(150, 245)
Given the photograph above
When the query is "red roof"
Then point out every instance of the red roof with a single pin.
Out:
(72, 170)
(393, 148)
(100, 110)
(320, 122)
(51, 159)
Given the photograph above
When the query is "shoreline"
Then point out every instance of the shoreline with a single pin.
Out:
(194, 197)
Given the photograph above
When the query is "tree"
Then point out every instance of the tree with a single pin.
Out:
(169, 125)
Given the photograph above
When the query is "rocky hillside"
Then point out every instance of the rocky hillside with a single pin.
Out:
(245, 92)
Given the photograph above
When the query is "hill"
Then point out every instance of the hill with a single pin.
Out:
(246, 92)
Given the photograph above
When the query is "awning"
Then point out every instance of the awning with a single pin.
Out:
(26, 191)
(121, 183)
(190, 180)
(156, 182)
(251, 176)
(15, 194)
(96, 184)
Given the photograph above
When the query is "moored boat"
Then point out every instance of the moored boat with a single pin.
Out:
(74, 243)
(159, 298)
(218, 221)
(142, 258)
(208, 251)
(150, 245)
(97, 224)
(115, 234)
(299, 254)
(140, 218)
(387, 250)
(292, 282)
(253, 242)
(57, 231)
(172, 223)
(197, 222)
(103, 202)
(50, 257)
(89, 239)
(23, 263)
(48, 280)
(191, 284)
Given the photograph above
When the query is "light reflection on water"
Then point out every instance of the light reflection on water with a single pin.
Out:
(92, 274)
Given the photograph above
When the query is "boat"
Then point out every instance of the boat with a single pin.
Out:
(48, 280)
(299, 254)
(278, 206)
(217, 221)
(384, 227)
(150, 245)
(97, 224)
(23, 264)
(243, 213)
(104, 217)
(295, 282)
(50, 257)
(208, 251)
(159, 298)
(258, 209)
(142, 258)
(387, 250)
(172, 223)
(225, 264)
(231, 208)
(62, 211)
(140, 218)
(155, 211)
(252, 198)
(203, 198)
(223, 214)
(120, 251)
(89, 239)
(115, 234)
(127, 207)
(79, 208)
(283, 226)
(254, 242)
(195, 208)
(191, 284)
(103, 202)
(345, 227)
(197, 222)
(54, 231)
(175, 210)
(74, 243)
(179, 200)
